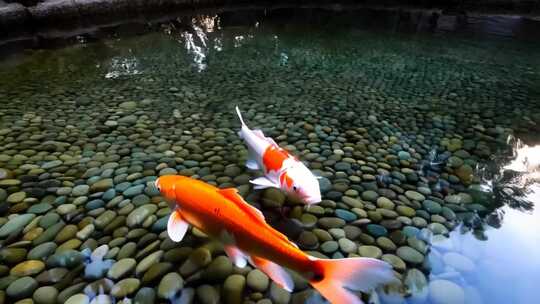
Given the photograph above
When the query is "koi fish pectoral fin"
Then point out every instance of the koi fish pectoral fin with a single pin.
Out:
(252, 164)
(238, 258)
(177, 226)
(263, 182)
(277, 273)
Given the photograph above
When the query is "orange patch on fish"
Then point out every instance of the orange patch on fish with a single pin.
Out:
(274, 157)
(284, 179)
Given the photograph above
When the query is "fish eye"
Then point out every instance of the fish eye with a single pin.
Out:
(294, 188)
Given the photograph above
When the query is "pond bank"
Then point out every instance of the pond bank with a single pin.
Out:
(60, 18)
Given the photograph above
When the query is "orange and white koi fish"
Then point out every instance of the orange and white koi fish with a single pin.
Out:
(224, 215)
(282, 170)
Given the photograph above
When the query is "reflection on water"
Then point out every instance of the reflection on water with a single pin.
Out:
(123, 67)
(493, 260)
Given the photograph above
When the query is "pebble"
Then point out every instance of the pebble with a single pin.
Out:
(207, 294)
(331, 222)
(397, 263)
(148, 261)
(417, 285)
(410, 255)
(445, 292)
(279, 295)
(233, 288)
(308, 240)
(27, 268)
(459, 262)
(170, 285)
(347, 246)
(15, 224)
(80, 190)
(45, 295)
(145, 295)
(413, 195)
(219, 269)
(386, 243)
(369, 251)
(376, 230)
(257, 280)
(329, 246)
(16, 197)
(78, 299)
(370, 196)
(102, 299)
(66, 209)
(137, 216)
(121, 268)
(125, 287)
(345, 215)
(432, 207)
(22, 288)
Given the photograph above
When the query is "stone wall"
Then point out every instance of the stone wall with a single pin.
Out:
(21, 19)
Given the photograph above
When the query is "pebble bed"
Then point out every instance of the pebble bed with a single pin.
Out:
(395, 126)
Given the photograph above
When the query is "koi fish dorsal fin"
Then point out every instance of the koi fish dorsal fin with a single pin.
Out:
(232, 194)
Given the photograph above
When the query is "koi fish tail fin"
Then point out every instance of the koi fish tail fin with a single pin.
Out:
(341, 277)
(240, 116)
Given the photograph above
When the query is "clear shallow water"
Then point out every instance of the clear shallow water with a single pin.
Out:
(379, 107)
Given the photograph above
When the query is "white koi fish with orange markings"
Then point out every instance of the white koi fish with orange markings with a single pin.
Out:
(281, 169)
(224, 215)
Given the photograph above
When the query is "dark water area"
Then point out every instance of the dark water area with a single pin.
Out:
(424, 127)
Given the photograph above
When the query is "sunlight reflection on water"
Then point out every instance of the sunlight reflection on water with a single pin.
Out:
(504, 266)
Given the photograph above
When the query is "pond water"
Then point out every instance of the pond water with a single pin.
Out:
(423, 127)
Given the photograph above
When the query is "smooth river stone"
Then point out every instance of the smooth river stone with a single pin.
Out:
(125, 288)
(15, 224)
(233, 288)
(170, 285)
(45, 295)
(459, 262)
(80, 190)
(121, 268)
(40, 208)
(145, 295)
(67, 233)
(445, 292)
(432, 207)
(416, 283)
(49, 234)
(376, 230)
(331, 222)
(22, 288)
(78, 299)
(413, 195)
(27, 268)
(137, 216)
(148, 261)
(369, 251)
(410, 255)
(257, 280)
(395, 261)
